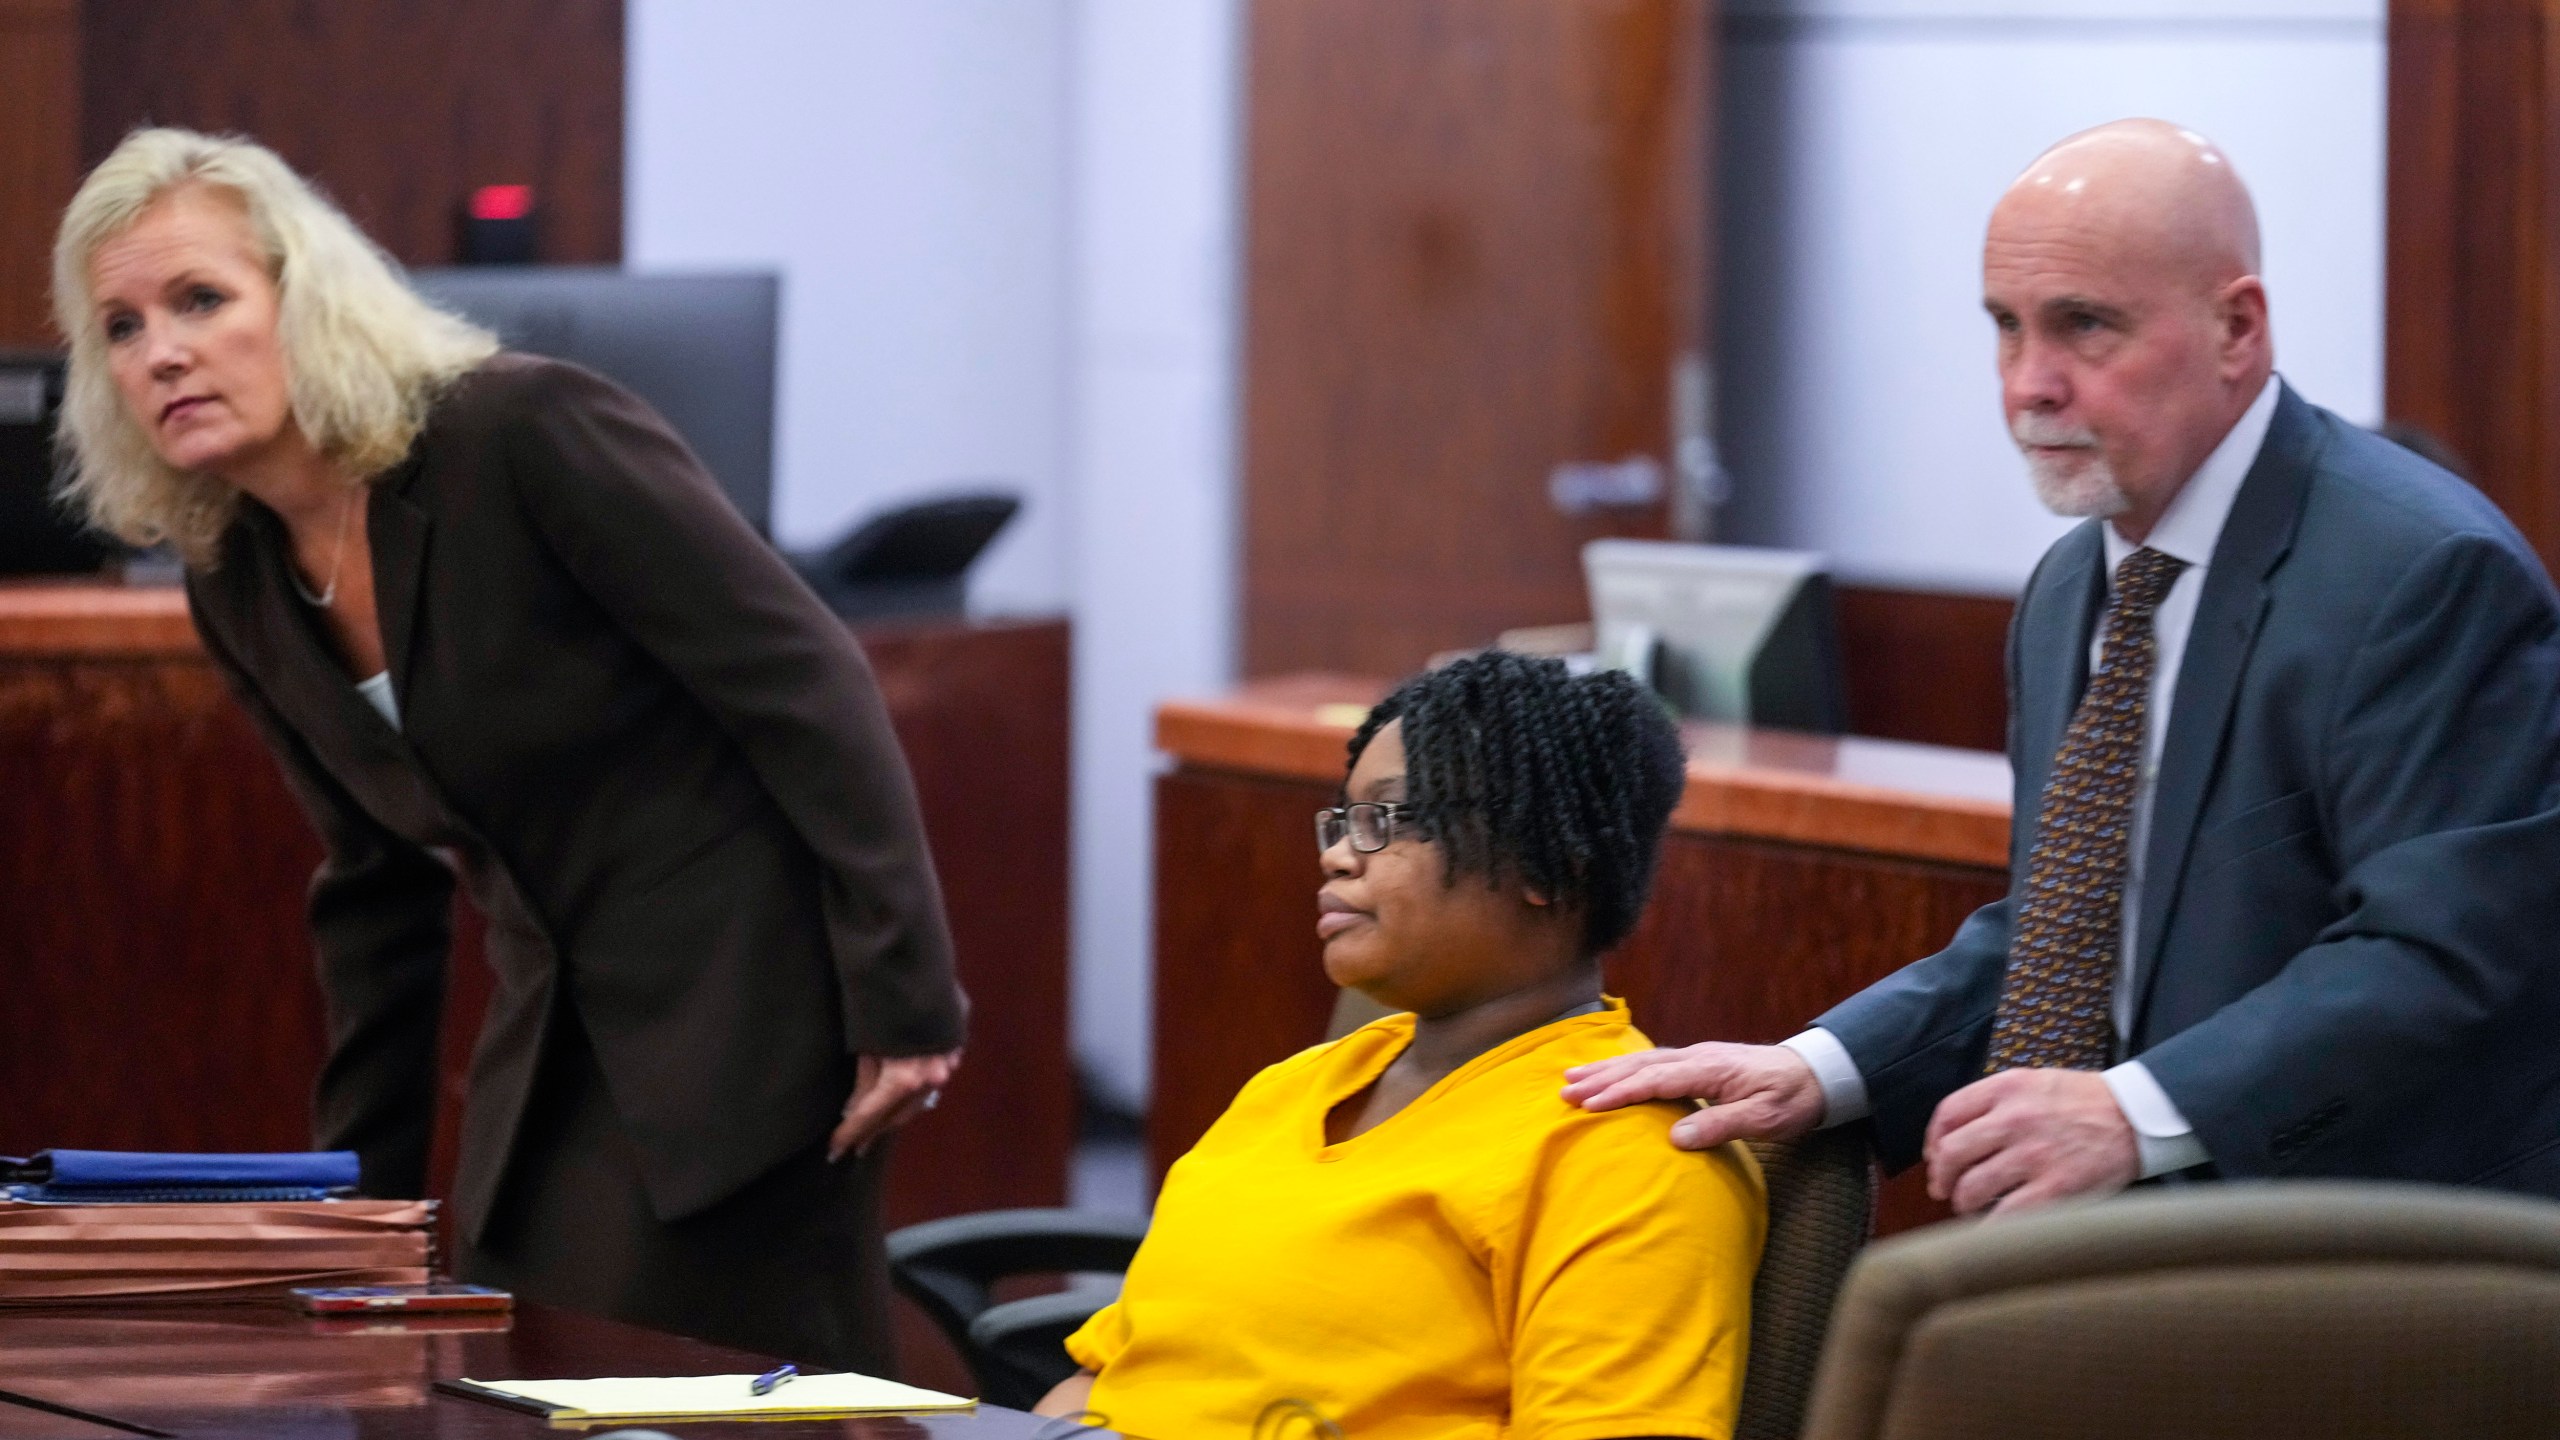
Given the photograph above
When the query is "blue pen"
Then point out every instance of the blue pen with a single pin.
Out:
(766, 1382)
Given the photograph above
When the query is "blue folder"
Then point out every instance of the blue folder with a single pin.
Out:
(61, 1175)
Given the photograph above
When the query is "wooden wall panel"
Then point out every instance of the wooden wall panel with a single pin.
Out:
(39, 154)
(2471, 340)
(399, 107)
(982, 715)
(1926, 665)
(1475, 249)
(1750, 940)
(159, 990)
(1239, 977)
(1744, 941)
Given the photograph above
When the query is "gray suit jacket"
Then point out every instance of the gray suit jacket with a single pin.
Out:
(2348, 952)
(659, 764)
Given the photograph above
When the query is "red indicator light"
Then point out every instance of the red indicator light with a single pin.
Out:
(502, 202)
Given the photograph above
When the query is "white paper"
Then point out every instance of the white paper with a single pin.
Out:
(681, 1395)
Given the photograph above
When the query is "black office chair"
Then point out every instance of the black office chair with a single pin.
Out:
(950, 1269)
(39, 535)
(1016, 1349)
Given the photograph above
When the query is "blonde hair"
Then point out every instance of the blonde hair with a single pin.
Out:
(365, 356)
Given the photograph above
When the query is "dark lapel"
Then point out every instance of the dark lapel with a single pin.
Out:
(2254, 538)
(399, 531)
(291, 654)
(283, 648)
(2053, 666)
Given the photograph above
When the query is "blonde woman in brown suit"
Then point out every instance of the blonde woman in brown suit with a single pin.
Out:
(497, 624)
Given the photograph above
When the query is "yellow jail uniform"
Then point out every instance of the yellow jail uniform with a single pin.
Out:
(1489, 1261)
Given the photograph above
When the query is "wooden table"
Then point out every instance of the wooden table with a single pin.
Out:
(1799, 869)
(155, 966)
(206, 1372)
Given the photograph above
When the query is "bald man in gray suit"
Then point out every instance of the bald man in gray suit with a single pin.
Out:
(2285, 722)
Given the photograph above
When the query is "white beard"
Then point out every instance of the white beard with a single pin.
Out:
(2078, 482)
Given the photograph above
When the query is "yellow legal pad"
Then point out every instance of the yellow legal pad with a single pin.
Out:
(705, 1397)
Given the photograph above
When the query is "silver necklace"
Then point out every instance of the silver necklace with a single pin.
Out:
(328, 594)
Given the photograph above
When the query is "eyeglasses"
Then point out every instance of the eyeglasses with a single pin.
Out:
(1370, 825)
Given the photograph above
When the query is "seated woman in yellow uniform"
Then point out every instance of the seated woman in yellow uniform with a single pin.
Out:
(1407, 1232)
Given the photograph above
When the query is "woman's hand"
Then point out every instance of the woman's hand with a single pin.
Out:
(1068, 1396)
(889, 1091)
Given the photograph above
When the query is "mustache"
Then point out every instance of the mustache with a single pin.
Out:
(2032, 428)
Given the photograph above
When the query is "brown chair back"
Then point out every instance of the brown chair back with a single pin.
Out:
(1822, 1207)
(2246, 1310)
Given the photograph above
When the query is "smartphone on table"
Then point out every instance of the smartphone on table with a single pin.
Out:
(442, 1298)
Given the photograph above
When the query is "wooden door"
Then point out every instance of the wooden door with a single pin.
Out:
(1476, 253)
(2471, 336)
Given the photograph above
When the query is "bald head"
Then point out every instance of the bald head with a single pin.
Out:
(2167, 194)
(2122, 271)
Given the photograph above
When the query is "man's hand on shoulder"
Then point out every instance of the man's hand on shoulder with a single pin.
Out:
(2024, 1138)
(1754, 1092)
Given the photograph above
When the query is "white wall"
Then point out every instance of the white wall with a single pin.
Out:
(1156, 175)
(1007, 232)
(1864, 143)
(904, 166)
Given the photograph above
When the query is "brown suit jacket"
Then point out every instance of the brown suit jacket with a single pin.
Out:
(660, 765)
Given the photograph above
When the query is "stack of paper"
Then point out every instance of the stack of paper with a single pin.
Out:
(228, 1251)
(698, 1397)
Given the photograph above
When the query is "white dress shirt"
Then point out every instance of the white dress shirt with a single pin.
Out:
(376, 690)
(2188, 531)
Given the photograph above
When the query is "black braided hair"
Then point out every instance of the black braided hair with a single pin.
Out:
(1524, 772)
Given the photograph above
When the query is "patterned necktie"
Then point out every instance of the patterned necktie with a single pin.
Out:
(2057, 997)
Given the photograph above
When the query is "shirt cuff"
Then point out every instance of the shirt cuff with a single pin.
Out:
(1844, 1090)
(2161, 1136)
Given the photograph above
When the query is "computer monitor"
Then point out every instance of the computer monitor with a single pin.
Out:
(1724, 632)
(698, 348)
(37, 535)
